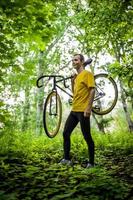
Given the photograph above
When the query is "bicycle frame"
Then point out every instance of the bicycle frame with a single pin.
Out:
(55, 83)
(99, 91)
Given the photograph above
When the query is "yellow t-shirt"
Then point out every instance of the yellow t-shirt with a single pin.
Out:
(82, 85)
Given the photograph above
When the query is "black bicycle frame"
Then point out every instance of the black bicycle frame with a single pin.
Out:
(55, 85)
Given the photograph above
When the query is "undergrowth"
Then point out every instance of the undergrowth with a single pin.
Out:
(29, 167)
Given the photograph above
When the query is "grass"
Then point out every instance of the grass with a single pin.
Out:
(29, 168)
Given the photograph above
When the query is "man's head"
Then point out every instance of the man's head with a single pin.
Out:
(78, 60)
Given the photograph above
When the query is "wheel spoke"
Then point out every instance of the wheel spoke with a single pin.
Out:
(106, 94)
(52, 114)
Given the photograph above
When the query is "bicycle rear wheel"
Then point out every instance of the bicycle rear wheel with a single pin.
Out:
(52, 114)
(106, 94)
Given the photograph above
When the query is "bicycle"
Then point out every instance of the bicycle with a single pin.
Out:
(104, 100)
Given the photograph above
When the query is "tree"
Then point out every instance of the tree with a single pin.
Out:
(30, 23)
(107, 27)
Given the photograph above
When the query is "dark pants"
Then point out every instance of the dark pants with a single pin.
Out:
(71, 123)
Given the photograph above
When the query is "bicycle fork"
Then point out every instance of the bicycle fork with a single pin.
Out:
(53, 108)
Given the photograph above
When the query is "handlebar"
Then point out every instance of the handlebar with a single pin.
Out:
(54, 77)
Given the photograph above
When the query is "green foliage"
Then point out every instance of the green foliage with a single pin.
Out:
(26, 27)
(29, 168)
(30, 28)
(5, 118)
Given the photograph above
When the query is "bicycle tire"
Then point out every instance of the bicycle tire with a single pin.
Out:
(52, 114)
(100, 106)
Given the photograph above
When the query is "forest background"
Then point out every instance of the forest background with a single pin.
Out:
(40, 37)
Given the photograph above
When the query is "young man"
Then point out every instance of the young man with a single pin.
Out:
(84, 90)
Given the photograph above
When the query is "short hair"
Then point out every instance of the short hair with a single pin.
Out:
(82, 59)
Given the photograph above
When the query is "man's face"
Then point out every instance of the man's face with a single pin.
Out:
(76, 62)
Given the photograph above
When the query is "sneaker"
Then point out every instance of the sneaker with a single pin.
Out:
(65, 162)
(89, 165)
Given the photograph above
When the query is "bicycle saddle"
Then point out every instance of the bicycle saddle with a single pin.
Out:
(87, 62)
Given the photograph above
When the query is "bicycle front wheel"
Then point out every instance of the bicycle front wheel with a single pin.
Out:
(52, 114)
(106, 94)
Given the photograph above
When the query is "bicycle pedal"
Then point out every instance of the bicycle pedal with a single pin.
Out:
(70, 101)
(96, 108)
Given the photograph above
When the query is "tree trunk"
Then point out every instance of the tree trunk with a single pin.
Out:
(100, 125)
(26, 109)
(128, 118)
(39, 114)
(118, 56)
(40, 96)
